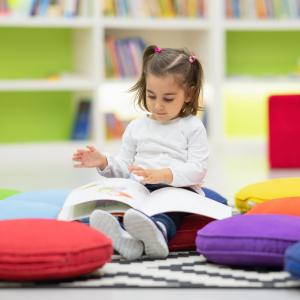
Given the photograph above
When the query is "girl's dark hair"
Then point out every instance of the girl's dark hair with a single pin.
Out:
(186, 69)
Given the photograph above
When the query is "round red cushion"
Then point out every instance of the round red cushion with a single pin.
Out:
(41, 249)
(186, 235)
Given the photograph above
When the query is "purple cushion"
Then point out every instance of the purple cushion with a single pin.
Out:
(249, 240)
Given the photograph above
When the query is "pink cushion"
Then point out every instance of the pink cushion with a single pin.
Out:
(41, 249)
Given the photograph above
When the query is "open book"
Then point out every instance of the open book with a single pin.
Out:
(116, 195)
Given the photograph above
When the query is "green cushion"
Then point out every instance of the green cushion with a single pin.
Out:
(4, 193)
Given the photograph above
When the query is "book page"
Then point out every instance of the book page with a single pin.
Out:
(84, 199)
(84, 210)
(172, 199)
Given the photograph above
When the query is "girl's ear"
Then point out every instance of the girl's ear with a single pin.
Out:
(189, 93)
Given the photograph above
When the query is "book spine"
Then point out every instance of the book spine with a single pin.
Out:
(81, 126)
(4, 8)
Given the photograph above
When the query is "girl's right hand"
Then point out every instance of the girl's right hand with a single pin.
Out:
(89, 158)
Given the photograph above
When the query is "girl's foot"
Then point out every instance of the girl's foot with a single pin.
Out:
(123, 242)
(143, 228)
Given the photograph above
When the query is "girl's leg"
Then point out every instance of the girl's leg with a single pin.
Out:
(123, 242)
(171, 222)
(156, 231)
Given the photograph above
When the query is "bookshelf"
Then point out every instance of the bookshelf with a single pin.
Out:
(260, 58)
(49, 63)
(81, 72)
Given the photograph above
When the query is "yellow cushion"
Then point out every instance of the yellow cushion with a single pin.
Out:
(267, 190)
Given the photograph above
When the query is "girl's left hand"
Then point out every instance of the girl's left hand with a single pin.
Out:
(153, 176)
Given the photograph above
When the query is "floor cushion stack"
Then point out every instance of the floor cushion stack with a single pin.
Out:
(40, 249)
(284, 206)
(267, 190)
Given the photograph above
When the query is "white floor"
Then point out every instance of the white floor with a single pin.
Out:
(28, 168)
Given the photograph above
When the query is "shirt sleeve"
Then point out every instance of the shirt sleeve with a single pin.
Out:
(118, 165)
(193, 171)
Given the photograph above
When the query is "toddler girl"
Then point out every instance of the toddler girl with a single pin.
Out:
(168, 147)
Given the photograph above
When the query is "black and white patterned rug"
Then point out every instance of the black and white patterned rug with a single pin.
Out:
(179, 270)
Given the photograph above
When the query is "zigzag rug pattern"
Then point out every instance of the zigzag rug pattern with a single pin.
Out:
(179, 270)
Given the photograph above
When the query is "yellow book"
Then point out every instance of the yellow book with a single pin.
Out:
(166, 8)
(108, 8)
(169, 8)
(192, 8)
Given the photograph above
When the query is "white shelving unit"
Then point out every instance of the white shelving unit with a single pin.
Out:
(193, 33)
(205, 37)
(262, 25)
(251, 84)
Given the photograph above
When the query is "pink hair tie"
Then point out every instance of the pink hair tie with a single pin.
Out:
(192, 58)
(157, 50)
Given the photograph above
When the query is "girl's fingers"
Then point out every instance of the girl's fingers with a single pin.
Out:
(83, 151)
(91, 148)
(134, 168)
(78, 165)
(80, 151)
(139, 173)
(76, 158)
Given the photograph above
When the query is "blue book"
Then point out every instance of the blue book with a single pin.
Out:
(81, 128)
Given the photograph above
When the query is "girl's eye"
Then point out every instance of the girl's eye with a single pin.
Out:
(168, 99)
(151, 97)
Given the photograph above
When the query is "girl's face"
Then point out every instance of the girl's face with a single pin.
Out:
(164, 97)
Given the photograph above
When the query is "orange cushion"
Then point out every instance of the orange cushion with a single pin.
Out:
(281, 206)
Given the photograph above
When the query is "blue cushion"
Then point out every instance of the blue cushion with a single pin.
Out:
(53, 197)
(292, 260)
(37, 204)
(214, 195)
(23, 210)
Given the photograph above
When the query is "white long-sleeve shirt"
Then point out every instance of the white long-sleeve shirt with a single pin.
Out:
(180, 144)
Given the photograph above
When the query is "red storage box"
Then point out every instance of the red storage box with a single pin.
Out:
(284, 131)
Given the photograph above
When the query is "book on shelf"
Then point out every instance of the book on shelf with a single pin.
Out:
(45, 8)
(114, 126)
(81, 126)
(123, 56)
(4, 8)
(116, 195)
(154, 8)
(262, 9)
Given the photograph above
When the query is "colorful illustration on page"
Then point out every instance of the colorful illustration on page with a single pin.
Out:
(114, 191)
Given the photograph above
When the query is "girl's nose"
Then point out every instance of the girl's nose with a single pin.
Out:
(158, 105)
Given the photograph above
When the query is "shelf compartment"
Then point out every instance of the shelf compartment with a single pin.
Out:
(157, 23)
(71, 84)
(42, 22)
(36, 116)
